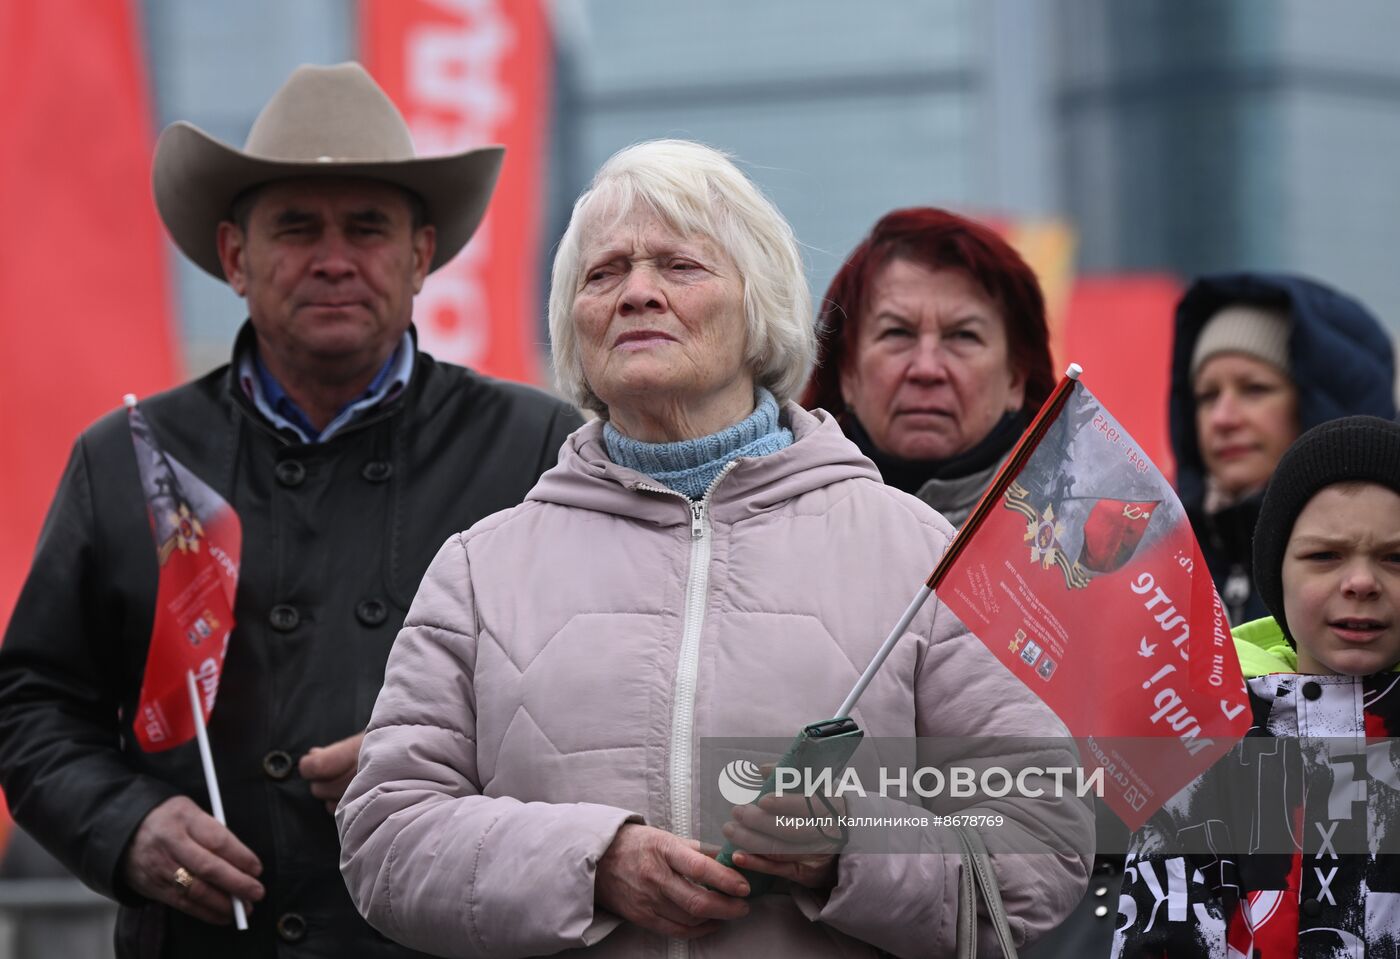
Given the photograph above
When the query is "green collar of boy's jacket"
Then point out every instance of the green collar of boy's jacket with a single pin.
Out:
(1263, 650)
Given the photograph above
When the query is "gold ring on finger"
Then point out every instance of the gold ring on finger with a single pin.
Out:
(184, 879)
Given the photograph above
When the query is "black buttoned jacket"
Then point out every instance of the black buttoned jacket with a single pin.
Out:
(336, 536)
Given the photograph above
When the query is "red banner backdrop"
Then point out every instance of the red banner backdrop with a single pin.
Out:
(469, 73)
(1120, 328)
(82, 263)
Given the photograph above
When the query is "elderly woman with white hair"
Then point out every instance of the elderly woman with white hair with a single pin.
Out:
(706, 560)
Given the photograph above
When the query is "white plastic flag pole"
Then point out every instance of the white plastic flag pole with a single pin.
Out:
(1072, 374)
(886, 648)
(206, 756)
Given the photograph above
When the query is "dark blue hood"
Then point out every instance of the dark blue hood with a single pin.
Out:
(1342, 359)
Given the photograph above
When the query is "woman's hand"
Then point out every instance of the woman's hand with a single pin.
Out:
(658, 881)
(804, 854)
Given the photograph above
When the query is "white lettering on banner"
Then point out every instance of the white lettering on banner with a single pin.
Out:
(456, 98)
(155, 725)
(1167, 618)
(208, 677)
(457, 68)
(225, 561)
(463, 6)
(1165, 670)
(1181, 721)
(1220, 636)
(1178, 716)
(1231, 710)
(1106, 765)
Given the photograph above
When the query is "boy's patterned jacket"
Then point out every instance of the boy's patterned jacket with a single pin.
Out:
(1211, 875)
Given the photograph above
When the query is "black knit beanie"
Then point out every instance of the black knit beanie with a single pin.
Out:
(1349, 450)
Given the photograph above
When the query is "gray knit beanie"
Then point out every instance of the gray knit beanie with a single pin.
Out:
(1349, 450)
(1257, 331)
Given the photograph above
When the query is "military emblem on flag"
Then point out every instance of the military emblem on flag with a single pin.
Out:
(198, 542)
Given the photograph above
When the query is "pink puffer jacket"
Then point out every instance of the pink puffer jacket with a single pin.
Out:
(562, 659)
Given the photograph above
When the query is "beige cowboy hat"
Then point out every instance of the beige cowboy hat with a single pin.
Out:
(324, 121)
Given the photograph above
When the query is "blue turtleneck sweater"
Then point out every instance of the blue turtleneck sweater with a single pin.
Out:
(690, 466)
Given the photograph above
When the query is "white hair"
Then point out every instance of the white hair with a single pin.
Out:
(697, 191)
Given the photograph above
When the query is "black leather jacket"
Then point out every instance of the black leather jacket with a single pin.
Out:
(336, 536)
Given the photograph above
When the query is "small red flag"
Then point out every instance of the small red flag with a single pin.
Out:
(1080, 572)
(198, 542)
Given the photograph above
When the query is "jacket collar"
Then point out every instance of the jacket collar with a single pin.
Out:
(955, 498)
(420, 387)
(819, 456)
(1262, 648)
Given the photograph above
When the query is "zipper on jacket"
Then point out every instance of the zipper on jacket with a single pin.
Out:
(687, 667)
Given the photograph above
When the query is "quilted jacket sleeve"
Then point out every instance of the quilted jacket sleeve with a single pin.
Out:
(429, 860)
(907, 903)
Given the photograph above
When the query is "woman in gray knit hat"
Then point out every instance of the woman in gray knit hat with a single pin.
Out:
(1259, 359)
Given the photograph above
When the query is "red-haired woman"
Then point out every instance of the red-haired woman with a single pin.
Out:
(935, 354)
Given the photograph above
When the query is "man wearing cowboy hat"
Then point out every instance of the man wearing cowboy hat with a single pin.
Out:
(349, 457)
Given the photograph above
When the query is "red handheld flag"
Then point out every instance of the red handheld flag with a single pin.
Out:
(198, 542)
(1080, 572)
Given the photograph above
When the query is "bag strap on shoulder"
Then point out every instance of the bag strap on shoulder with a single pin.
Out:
(977, 874)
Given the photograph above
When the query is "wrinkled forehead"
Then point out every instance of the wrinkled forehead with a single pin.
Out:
(612, 207)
